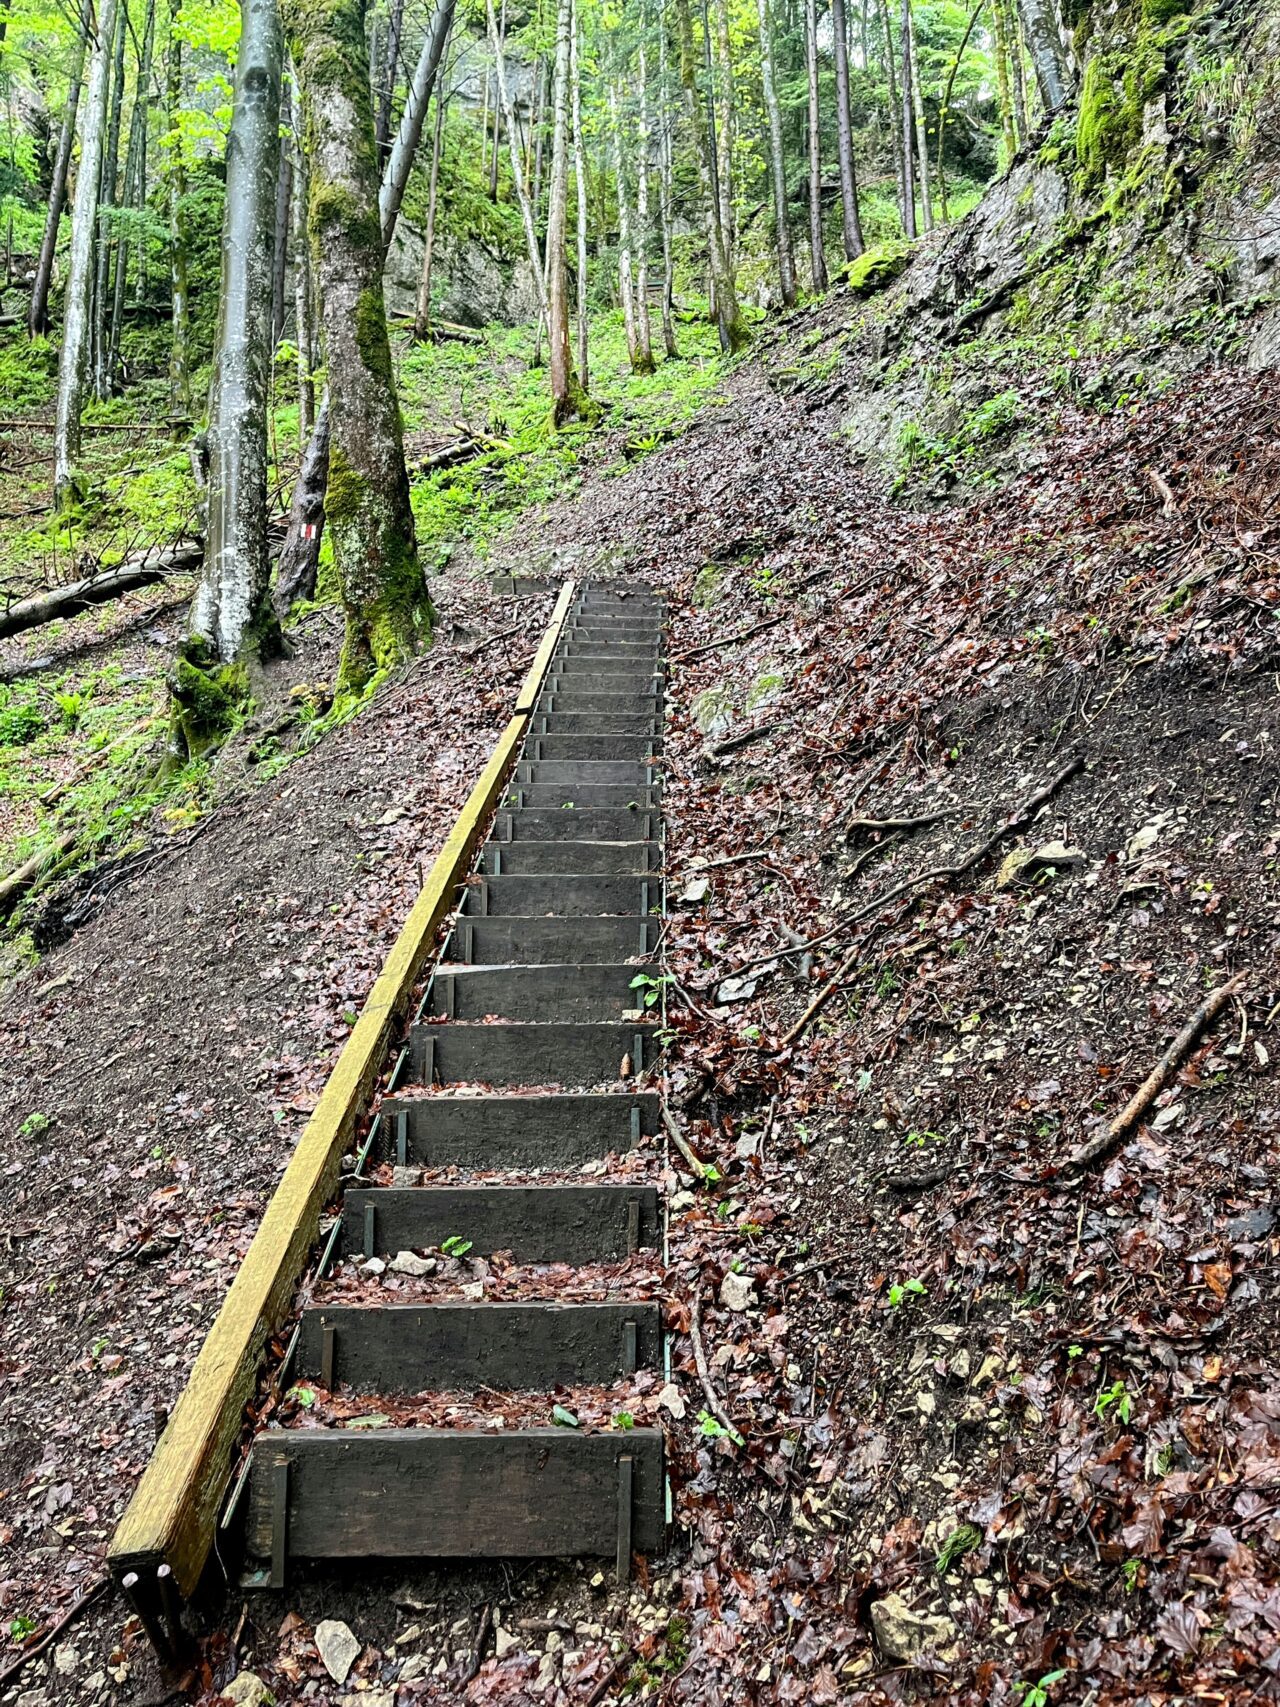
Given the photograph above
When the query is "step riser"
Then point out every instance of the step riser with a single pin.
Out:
(587, 895)
(622, 672)
(589, 773)
(513, 1131)
(619, 748)
(547, 1223)
(586, 704)
(604, 824)
(569, 1054)
(409, 1348)
(543, 796)
(537, 859)
(441, 1493)
(547, 942)
(536, 993)
(596, 725)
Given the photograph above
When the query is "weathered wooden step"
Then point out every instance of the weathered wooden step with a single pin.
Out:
(590, 773)
(536, 1223)
(417, 1348)
(635, 723)
(566, 894)
(596, 644)
(584, 703)
(602, 823)
(568, 797)
(521, 1131)
(452, 1493)
(614, 630)
(634, 672)
(536, 992)
(569, 1053)
(543, 942)
(578, 749)
(528, 858)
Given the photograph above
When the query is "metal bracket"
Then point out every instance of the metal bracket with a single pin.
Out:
(630, 1354)
(279, 1524)
(633, 1242)
(635, 1124)
(626, 1478)
(328, 1355)
(370, 1230)
(402, 1137)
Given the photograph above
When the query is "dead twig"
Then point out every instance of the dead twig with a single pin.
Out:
(920, 823)
(477, 1652)
(682, 1144)
(1159, 1075)
(704, 1369)
(743, 738)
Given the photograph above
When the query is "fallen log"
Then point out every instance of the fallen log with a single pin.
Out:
(134, 572)
(13, 887)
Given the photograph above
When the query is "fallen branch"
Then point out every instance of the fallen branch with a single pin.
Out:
(682, 1144)
(18, 882)
(89, 426)
(744, 738)
(1159, 1075)
(756, 628)
(921, 823)
(1021, 818)
(51, 795)
(134, 572)
(477, 1652)
(704, 1369)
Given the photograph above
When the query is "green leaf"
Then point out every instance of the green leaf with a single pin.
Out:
(563, 1418)
(376, 1419)
(304, 1396)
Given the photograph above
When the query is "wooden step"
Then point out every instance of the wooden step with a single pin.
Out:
(520, 1131)
(539, 993)
(589, 702)
(536, 1223)
(604, 824)
(627, 748)
(560, 797)
(595, 723)
(521, 858)
(529, 1347)
(565, 894)
(543, 942)
(453, 1493)
(627, 674)
(588, 773)
(571, 1053)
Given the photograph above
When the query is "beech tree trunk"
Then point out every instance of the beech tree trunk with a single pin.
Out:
(1017, 68)
(665, 174)
(567, 395)
(382, 128)
(726, 121)
(303, 311)
(395, 174)
(580, 184)
(74, 355)
(284, 192)
(777, 160)
(734, 335)
(922, 139)
(851, 220)
(513, 143)
(644, 335)
(817, 255)
(179, 355)
(231, 616)
(908, 140)
(1048, 55)
(895, 114)
(626, 283)
(422, 308)
(375, 550)
(497, 117)
(38, 313)
(134, 192)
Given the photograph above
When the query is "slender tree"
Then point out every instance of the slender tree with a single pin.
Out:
(284, 196)
(1000, 53)
(665, 174)
(720, 82)
(1043, 29)
(231, 620)
(532, 250)
(908, 127)
(134, 192)
(852, 222)
(944, 111)
(917, 110)
(422, 309)
(74, 354)
(386, 97)
(107, 180)
(388, 612)
(733, 330)
(895, 115)
(1017, 68)
(644, 336)
(817, 257)
(777, 160)
(179, 357)
(38, 313)
(626, 281)
(580, 186)
(497, 115)
(567, 395)
(303, 310)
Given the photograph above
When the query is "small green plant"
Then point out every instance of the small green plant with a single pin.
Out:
(1037, 1694)
(961, 1540)
(624, 1420)
(1115, 1397)
(303, 1396)
(71, 708)
(713, 1429)
(456, 1246)
(898, 1293)
(918, 1140)
(21, 1627)
(1130, 1571)
(651, 987)
(34, 1126)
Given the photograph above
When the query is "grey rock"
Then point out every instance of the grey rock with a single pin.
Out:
(902, 1634)
(338, 1648)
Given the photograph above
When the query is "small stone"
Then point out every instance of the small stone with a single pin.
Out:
(737, 1291)
(337, 1647)
(248, 1690)
(672, 1399)
(415, 1666)
(473, 1290)
(504, 1641)
(66, 1659)
(555, 1641)
(695, 892)
(903, 1634)
(373, 1267)
(404, 1178)
(1025, 863)
(409, 1262)
(681, 1201)
(597, 1580)
(548, 1667)
(926, 1404)
(409, 1635)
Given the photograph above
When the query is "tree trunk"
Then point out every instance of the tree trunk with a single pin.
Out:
(284, 188)
(1001, 54)
(567, 395)
(852, 223)
(300, 553)
(665, 173)
(303, 309)
(73, 357)
(908, 140)
(388, 611)
(395, 174)
(497, 117)
(626, 284)
(108, 176)
(484, 128)
(895, 111)
(922, 136)
(946, 102)
(1017, 68)
(644, 336)
(726, 122)
(382, 129)
(734, 335)
(786, 264)
(179, 357)
(1048, 55)
(134, 190)
(817, 256)
(38, 313)
(231, 617)
(422, 311)
(580, 184)
(539, 130)
(513, 143)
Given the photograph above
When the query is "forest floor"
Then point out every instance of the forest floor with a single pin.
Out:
(1011, 1429)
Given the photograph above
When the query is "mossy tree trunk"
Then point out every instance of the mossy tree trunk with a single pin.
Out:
(580, 182)
(388, 611)
(231, 617)
(1000, 53)
(644, 334)
(179, 355)
(908, 127)
(665, 174)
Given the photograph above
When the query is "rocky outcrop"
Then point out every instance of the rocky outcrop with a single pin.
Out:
(474, 285)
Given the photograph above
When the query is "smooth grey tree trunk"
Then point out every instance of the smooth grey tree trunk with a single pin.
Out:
(908, 149)
(817, 255)
(180, 357)
(1043, 31)
(107, 184)
(851, 217)
(777, 160)
(231, 614)
(644, 335)
(626, 282)
(532, 250)
(732, 328)
(395, 175)
(1017, 67)
(566, 390)
(922, 139)
(38, 313)
(382, 129)
(370, 518)
(580, 184)
(280, 247)
(422, 308)
(74, 356)
(665, 173)
(134, 192)
(726, 122)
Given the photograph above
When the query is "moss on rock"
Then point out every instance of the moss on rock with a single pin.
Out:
(876, 269)
(207, 698)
